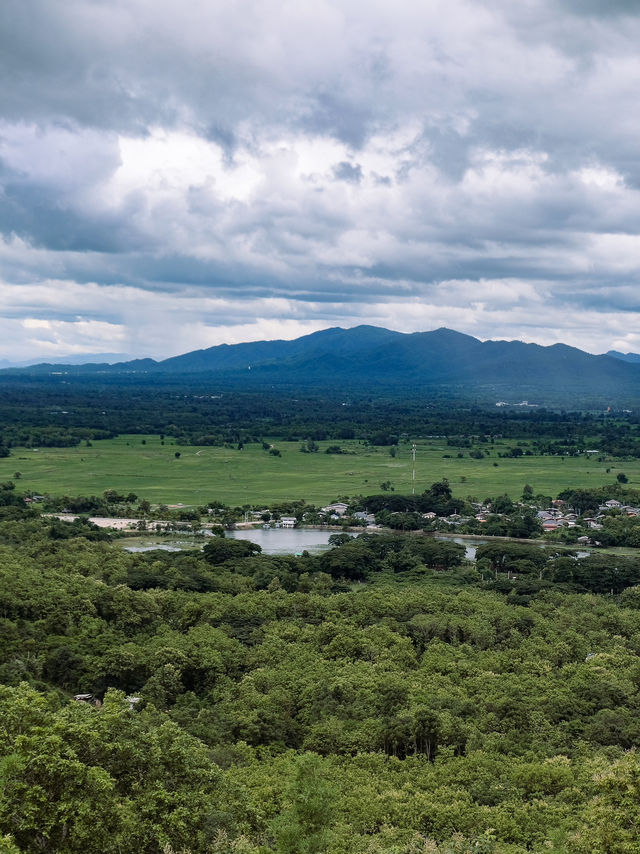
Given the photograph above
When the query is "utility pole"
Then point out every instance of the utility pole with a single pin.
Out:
(413, 471)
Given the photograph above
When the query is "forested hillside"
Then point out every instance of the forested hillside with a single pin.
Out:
(369, 358)
(381, 697)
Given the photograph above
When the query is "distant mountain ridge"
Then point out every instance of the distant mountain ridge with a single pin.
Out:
(80, 359)
(634, 358)
(371, 357)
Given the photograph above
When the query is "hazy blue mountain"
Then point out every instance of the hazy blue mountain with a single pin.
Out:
(625, 357)
(371, 358)
(78, 359)
(336, 342)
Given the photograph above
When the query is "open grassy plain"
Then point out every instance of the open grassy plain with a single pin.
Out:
(254, 476)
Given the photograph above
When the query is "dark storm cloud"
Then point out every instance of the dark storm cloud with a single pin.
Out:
(345, 171)
(599, 9)
(36, 214)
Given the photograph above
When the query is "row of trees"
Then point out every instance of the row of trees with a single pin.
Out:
(45, 411)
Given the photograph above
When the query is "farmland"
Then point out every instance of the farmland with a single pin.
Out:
(252, 475)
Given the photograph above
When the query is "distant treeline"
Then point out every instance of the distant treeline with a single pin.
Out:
(54, 411)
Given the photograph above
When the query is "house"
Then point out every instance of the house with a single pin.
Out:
(338, 507)
(288, 522)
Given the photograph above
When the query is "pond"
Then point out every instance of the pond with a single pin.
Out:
(280, 541)
(273, 541)
(168, 543)
(470, 546)
(286, 541)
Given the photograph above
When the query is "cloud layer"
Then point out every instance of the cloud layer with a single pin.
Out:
(177, 175)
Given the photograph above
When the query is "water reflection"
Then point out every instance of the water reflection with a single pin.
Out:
(272, 541)
(286, 541)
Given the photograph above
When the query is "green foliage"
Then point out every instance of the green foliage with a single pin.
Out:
(304, 825)
(221, 549)
(376, 698)
(75, 778)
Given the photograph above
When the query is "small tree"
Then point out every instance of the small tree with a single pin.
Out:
(303, 827)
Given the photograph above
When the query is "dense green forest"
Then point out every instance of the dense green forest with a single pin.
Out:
(62, 411)
(385, 696)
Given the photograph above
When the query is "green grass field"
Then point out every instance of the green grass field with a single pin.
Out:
(253, 476)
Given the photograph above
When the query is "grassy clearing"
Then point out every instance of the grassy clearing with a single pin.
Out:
(253, 476)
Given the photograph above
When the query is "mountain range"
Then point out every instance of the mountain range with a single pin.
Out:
(370, 357)
(625, 357)
(77, 359)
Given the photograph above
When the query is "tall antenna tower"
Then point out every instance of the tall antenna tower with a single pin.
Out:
(413, 470)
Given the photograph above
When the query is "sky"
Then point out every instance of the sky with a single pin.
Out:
(176, 175)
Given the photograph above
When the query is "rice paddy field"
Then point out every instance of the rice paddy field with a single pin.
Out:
(141, 464)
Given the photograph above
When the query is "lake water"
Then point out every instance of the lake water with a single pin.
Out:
(170, 543)
(272, 541)
(276, 541)
(285, 541)
(470, 546)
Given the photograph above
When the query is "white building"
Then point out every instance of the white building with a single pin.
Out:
(338, 507)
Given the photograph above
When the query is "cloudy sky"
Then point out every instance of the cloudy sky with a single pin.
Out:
(175, 175)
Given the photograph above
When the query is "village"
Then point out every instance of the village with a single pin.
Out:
(558, 522)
